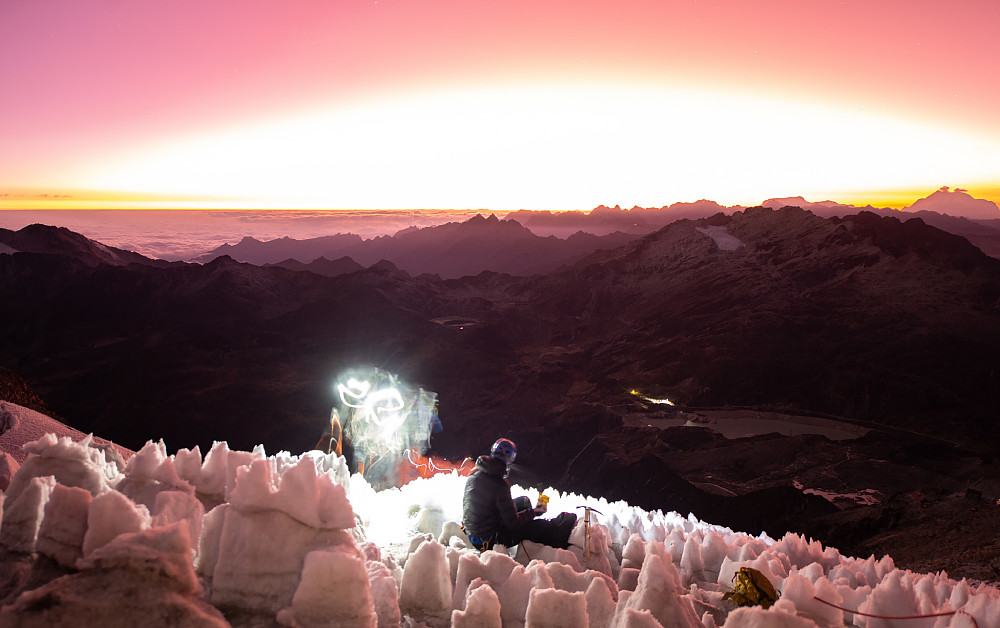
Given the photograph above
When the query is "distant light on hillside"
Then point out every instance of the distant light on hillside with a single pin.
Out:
(650, 399)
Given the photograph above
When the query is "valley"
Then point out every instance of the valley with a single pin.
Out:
(894, 325)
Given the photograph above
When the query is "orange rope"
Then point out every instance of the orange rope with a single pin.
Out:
(432, 468)
(944, 614)
(336, 431)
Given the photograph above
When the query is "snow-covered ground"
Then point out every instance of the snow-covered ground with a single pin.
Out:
(722, 238)
(247, 539)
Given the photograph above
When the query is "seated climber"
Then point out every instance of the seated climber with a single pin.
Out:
(491, 517)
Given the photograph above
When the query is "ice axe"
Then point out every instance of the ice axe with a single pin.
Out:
(586, 530)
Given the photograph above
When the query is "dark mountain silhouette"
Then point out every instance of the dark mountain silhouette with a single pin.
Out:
(15, 390)
(830, 315)
(603, 220)
(61, 241)
(888, 324)
(671, 308)
(274, 251)
(451, 250)
(984, 232)
(322, 266)
(957, 202)
(537, 242)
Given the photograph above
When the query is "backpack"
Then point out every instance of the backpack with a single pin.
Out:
(751, 589)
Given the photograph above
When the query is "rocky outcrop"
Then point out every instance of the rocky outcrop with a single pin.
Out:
(61, 241)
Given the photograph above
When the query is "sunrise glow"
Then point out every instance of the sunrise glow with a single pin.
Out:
(547, 148)
(444, 104)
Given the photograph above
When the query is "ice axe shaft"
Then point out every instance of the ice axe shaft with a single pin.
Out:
(586, 530)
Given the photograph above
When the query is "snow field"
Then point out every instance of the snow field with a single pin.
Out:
(297, 540)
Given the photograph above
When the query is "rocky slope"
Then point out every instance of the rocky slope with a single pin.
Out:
(887, 324)
(61, 241)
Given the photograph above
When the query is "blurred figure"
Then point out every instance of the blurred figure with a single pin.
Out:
(333, 440)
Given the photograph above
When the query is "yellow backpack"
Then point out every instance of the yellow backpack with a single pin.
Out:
(751, 589)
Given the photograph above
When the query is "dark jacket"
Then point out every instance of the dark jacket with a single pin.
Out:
(487, 507)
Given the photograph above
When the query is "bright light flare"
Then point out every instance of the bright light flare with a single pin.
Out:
(355, 389)
(384, 419)
(380, 407)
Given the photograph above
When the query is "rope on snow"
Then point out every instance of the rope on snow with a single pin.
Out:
(944, 614)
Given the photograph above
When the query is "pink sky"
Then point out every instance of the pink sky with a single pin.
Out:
(468, 103)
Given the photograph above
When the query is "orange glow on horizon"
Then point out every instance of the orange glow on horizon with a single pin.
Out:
(93, 200)
(455, 104)
(903, 198)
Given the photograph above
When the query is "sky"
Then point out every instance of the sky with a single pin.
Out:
(465, 104)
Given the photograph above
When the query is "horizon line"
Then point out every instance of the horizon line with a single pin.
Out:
(76, 199)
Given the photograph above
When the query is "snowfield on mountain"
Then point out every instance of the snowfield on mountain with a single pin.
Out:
(247, 539)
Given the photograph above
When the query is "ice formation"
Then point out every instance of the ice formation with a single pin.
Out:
(243, 538)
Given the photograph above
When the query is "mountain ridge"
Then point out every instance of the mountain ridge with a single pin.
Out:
(790, 264)
(893, 325)
(481, 243)
(38, 238)
(450, 250)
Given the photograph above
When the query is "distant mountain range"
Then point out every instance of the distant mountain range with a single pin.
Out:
(449, 251)
(536, 242)
(891, 325)
(862, 316)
